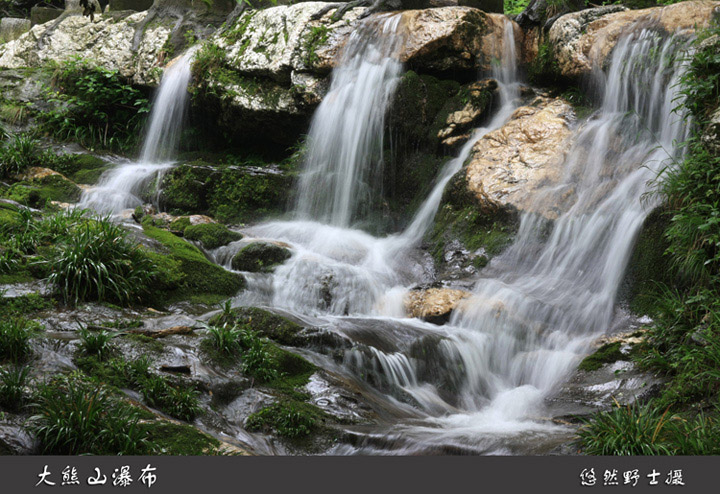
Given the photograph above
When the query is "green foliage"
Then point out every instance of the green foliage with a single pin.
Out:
(224, 339)
(211, 235)
(95, 343)
(514, 7)
(17, 154)
(631, 430)
(95, 107)
(288, 418)
(74, 416)
(15, 334)
(269, 325)
(99, 262)
(317, 37)
(179, 439)
(12, 385)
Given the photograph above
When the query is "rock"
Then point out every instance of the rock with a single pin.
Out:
(508, 164)
(107, 41)
(583, 40)
(460, 124)
(41, 15)
(457, 39)
(711, 135)
(260, 257)
(162, 333)
(14, 440)
(269, 69)
(434, 304)
(489, 6)
(11, 28)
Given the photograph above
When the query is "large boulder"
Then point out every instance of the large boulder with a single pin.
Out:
(107, 42)
(12, 28)
(270, 67)
(260, 257)
(584, 40)
(507, 165)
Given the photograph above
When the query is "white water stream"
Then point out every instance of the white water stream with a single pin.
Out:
(122, 187)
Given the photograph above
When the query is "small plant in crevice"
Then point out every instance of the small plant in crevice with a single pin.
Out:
(95, 342)
(12, 385)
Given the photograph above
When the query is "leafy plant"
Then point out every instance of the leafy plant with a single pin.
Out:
(99, 262)
(16, 155)
(96, 107)
(95, 342)
(290, 419)
(15, 333)
(12, 384)
(74, 416)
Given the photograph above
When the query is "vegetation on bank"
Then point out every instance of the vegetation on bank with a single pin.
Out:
(683, 343)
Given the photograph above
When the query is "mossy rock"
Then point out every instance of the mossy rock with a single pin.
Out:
(268, 324)
(260, 257)
(211, 235)
(606, 354)
(80, 168)
(289, 419)
(184, 188)
(9, 218)
(200, 277)
(38, 192)
(179, 439)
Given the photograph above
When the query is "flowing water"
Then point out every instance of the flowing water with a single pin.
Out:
(122, 187)
(479, 383)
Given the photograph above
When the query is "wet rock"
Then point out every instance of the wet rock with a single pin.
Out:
(583, 40)
(162, 333)
(433, 305)
(508, 164)
(14, 440)
(41, 15)
(460, 124)
(260, 257)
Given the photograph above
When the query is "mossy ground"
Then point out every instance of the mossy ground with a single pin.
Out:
(197, 278)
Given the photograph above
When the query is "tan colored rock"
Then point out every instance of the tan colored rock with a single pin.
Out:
(460, 124)
(434, 304)
(508, 164)
(583, 40)
(453, 38)
(38, 173)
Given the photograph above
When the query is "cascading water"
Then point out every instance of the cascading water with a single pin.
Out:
(121, 187)
(525, 328)
(344, 163)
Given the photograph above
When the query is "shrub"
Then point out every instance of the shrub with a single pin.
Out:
(96, 107)
(75, 417)
(15, 336)
(12, 384)
(99, 262)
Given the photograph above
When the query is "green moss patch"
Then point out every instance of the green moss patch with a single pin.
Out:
(179, 439)
(200, 276)
(211, 235)
(270, 325)
(288, 418)
(260, 257)
(606, 354)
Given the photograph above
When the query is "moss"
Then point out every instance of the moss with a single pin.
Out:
(238, 195)
(38, 192)
(606, 354)
(270, 325)
(317, 37)
(179, 439)
(211, 235)
(146, 342)
(31, 303)
(184, 189)
(200, 276)
(461, 217)
(288, 418)
(260, 257)
(9, 219)
(649, 266)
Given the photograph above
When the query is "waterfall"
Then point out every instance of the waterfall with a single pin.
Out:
(122, 187)
(343, 169)
(526, 327)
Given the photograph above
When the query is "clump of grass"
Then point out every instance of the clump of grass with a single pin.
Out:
(12, 385)
(15, 334)
(17, 154)
(95, 343)
(288, 418)
(74, 416)
(225, 339)
(629, 430)
(99, 262)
